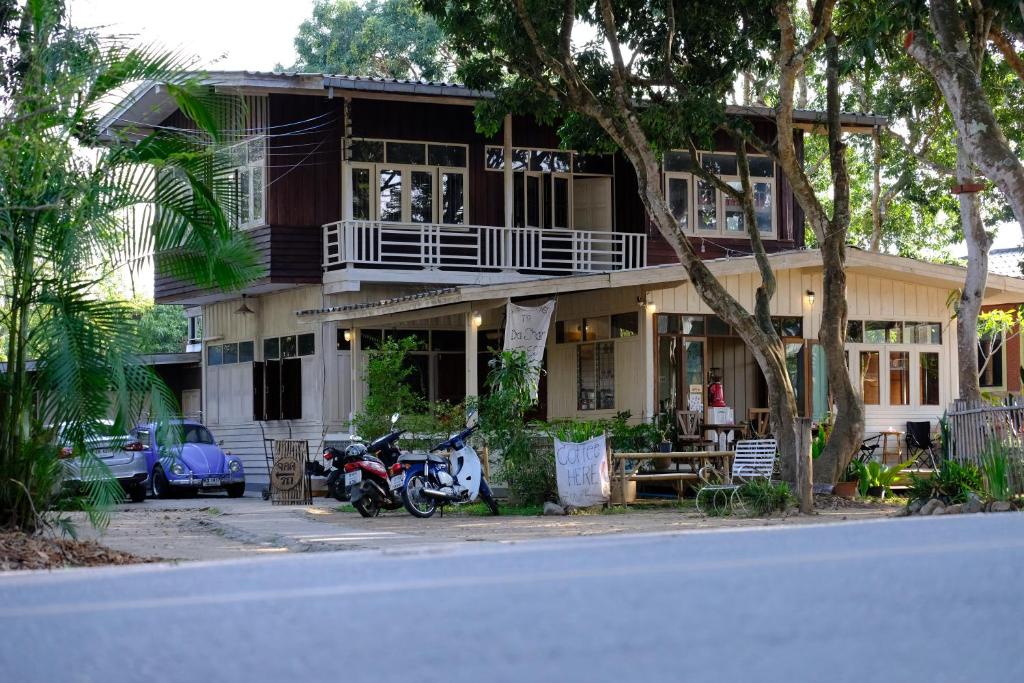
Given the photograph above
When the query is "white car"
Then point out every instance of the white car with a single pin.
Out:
(123, 456)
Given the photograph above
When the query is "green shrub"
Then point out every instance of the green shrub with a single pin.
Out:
(387, 389)
(763, 497)
(873, 474)
(995, 463)
(951, 483)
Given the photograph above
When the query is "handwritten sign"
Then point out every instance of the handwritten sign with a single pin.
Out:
(582, 472)
(526, 329)
(288, 483)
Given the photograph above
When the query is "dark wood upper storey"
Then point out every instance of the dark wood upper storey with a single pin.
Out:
(305, 129)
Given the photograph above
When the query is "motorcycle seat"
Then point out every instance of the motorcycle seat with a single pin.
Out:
(420, 457)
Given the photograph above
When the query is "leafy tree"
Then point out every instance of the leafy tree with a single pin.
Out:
(159, 328)
(387, 377)
(382, 38)
(60, 209)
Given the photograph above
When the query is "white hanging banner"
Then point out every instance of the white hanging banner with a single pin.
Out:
(582, 472)
(526, 329)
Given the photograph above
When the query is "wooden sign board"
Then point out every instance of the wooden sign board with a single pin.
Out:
(289, 484)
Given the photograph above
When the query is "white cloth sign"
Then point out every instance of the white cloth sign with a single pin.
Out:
(582, 472)
(526, 329)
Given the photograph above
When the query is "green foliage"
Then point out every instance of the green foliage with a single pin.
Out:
(762, 497)
(996, 467)
(572, 431)
(527, 464)
(387, 388)
(824, 429)
(159, 328)
(873, 474)
(382, 38)
(65, 205)
(951, 483)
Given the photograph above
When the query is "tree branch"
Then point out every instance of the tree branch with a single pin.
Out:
(1013, 59)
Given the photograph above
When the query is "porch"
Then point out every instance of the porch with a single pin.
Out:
(478, 248)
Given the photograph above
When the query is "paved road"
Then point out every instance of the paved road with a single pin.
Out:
(931, 600)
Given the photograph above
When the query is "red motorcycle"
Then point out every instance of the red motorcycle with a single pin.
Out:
(373, 477)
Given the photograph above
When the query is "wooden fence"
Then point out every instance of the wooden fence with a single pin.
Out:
(976, 427)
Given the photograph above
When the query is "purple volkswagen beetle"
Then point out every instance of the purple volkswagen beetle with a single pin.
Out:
(182, 456)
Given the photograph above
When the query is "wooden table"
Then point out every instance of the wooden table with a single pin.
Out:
(719, 428)
(896, 450)
(719, 461)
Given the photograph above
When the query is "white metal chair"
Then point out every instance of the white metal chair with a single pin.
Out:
(754, 459)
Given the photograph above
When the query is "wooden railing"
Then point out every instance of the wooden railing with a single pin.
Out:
(430, 246)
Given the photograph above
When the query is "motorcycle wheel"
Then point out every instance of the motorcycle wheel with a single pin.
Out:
(492, 504)
(367, 505)
(415, 502)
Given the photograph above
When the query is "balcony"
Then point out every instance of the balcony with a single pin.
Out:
(507, 253)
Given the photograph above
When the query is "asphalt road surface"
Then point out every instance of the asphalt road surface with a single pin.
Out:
(939, 599)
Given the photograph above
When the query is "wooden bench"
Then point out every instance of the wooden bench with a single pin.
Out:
(698, 461)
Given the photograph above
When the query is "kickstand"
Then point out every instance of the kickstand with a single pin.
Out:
(442, 512)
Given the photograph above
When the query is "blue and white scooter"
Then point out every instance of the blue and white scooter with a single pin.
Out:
(433, 481)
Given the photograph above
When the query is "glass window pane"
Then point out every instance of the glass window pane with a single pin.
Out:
(561, 201)
(719, 164)
(366, 150)
(929, 378)
(390, 195)
(257, 194)
(561, 162)
(990, 363)
(764, 206)
(707, 206)
(678, 162)
(361, 194)
(586, 377)
(679, 201)
(692, 326)
(370, 339)
(869, 377)
(594, 164)
(934, 333)
(596, 328)
(789, 326)
(899, 378)
(854, 331)
(533, 191)
(573, 330)
(271, 348)
(230, 353)
(605, 376)
(494, 158)
(625, 324)
(693, 375)
(245, 352)
(214, 355)
(882, 332)
(761, 167)
(453, 198)
(520, 159)
(733, 211)
(343, 344)
(716, 326)
(796, 368)
(540, 160)
(244, 196)
(307, 344)
(288, 349)
(446, 155)
(519, 205)
(421, 197)
(819, 383)
(406, 153)
(667, 373)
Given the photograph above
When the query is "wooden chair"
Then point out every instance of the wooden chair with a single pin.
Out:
(754, 459)
(760, 423)
(691, 435)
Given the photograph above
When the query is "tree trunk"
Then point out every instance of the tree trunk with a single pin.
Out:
(969, 308)
(876, 190)
(956, 70)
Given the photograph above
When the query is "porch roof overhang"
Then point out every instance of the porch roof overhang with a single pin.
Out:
(453, 300)
(149, 103)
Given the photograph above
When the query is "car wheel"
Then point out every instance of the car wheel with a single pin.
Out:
(137, 493)
(161, 487)
(235, 490)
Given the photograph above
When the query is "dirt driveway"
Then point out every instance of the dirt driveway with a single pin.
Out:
(215, 527)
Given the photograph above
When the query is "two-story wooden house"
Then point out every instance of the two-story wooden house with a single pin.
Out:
(376, 206)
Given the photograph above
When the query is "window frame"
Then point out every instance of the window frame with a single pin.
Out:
(248, 167)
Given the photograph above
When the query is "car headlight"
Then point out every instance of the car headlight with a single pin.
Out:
(177, 468)
(234, 466)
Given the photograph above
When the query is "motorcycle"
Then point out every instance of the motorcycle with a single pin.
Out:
(373, 475)
(433, 480)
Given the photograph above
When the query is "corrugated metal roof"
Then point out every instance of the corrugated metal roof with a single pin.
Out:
(1006, 261)
(382, 302)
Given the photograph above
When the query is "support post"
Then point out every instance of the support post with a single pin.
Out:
(472, 379)
(804, 466)
(506, 238)
(356, 375)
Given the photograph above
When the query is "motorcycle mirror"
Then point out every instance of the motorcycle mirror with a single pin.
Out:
(394, 418)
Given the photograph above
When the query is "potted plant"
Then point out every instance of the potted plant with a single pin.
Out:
(848, 487)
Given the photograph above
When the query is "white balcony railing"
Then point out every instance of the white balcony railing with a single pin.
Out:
(427, 246)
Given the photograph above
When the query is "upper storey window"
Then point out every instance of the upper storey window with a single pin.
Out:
(407, 182)
(702, 209)
(249, 158)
